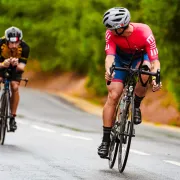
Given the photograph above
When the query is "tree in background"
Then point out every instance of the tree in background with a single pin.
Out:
(69, 35)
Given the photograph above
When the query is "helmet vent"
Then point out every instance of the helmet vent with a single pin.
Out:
(106, 14)
(105, 19)
(108, 26)
(117, 20)
(119, 14)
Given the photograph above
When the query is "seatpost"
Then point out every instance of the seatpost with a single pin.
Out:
(132, 57)
(142, 58)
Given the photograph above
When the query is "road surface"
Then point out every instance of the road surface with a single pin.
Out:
(55, 140)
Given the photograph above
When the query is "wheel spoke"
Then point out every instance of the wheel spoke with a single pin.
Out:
(113, 149)
(125, 138)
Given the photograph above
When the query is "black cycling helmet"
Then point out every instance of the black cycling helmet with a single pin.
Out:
(13, 34)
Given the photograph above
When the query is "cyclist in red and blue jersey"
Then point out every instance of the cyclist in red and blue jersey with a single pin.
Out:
(124, 40)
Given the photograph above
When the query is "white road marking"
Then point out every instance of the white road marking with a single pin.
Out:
(173, 162)
(77, 137)
(139, 152)
(43, 129)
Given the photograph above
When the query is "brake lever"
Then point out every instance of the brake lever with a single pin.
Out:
(158, 79)
(26, 81)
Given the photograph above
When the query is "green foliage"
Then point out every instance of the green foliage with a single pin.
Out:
(69, 35)
(166, 17)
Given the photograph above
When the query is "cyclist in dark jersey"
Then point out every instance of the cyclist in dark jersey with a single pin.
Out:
(13, 54)
(123, 40)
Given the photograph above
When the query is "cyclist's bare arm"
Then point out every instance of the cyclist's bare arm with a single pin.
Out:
(21, 67)
(110, 49)
(155, 65)
(108, 63)
(5, 63)
(23, 59)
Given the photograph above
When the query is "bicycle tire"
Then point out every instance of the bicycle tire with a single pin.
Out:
(126, 139)
(114, 144)
(113, 149)
(3, 116)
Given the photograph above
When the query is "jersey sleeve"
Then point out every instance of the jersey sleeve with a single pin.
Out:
(25, 53)
(110, 47)
(151, 48)
(1, 42)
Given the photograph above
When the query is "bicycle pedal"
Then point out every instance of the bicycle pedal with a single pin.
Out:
(11, 131)
(105, 157)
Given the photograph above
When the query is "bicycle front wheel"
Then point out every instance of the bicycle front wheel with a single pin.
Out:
(113, 149)
(126, 136)
(114, 144)
(3, 116)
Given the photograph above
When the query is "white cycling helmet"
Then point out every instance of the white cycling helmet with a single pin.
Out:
(13, 34)
(117, 17)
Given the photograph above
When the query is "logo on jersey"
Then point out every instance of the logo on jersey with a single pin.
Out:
(152, 43)
(107, 47)
(7, 53)
(108, 35)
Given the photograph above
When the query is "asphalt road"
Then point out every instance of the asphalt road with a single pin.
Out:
(57, 141)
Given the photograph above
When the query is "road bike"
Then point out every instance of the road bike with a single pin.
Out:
(123, 128)
(5, 112)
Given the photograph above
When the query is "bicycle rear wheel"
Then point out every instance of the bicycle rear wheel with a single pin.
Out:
(4, 105)
(126, 136)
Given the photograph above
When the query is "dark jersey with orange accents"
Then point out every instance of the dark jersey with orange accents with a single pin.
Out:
(22, 52)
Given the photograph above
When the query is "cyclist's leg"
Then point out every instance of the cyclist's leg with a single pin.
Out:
(1, 75)
(1, 79)
(15, 92)
(141, 88)
(14, 101)
(114, 92)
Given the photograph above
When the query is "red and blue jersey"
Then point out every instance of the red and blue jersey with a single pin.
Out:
(141, 38)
